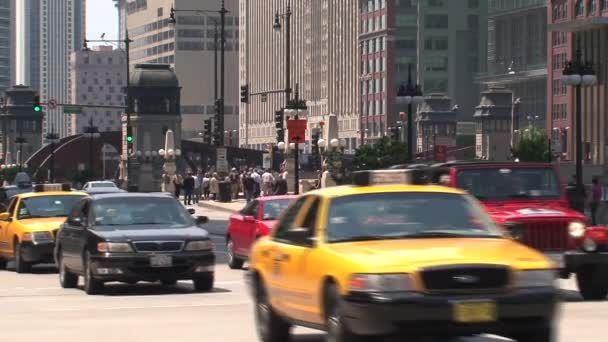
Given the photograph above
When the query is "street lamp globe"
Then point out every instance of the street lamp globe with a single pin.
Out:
(171, 152)
(321, 142)
(147, 154)
(334, 142)
(292, 146)
(154, 153)
(178, 152)
(575, 79)
(161, 152)
(589, 80)
(138, 153)
(281, 145)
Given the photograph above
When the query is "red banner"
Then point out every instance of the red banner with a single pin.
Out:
(441, 153)
(297, 130)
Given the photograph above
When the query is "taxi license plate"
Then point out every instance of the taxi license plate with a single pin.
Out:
(475, 312)
(161, 261)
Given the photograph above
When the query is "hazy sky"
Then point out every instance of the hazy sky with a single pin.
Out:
(102, 17)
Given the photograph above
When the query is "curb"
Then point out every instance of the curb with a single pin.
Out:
(216, 207)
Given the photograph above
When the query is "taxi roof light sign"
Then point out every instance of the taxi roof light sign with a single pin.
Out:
(418, 176)
(52, 187)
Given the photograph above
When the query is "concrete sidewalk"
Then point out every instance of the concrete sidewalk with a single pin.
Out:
(229, 207)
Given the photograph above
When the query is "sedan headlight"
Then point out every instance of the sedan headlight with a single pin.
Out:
(202, 245)
(37, 236)
(576, 229)
(381, 283)
(114, 247)
(537, 278)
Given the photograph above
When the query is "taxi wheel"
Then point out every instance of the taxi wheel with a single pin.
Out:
(21, 266)
(269, 326)
(204, 283)
(337, 331)
(543, 334)
(168, 282)
(233, 261)
(67, 280)
(92, 286)
(2, 264)
(592, 282)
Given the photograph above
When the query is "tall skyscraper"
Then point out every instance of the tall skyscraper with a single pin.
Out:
(324, 61)
(5, 45)
(188, 46)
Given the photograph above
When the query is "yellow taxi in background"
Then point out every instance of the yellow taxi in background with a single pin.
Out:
(29, 226)
(380, 258)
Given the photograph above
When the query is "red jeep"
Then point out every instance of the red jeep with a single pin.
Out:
(531, 201)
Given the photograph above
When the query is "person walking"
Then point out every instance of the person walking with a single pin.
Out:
(248, 187)
(178, 182)
(280, 187)
(206, 184)
(188, 189)
(214, 186)
(233, 178)
(267, 182)
(258, 183)
(596, 198)
(198, 182)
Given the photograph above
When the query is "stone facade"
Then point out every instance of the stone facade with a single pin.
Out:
(493, 124)
(436, 122)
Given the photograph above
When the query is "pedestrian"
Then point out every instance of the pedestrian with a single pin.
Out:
(596, 198)
(206, 185)
(198, 182)
(267, 182)
(233, 178)
(178, 182)
(188, 189)
(214, 186)
(280, 187)
(258, 183)
(248, 187)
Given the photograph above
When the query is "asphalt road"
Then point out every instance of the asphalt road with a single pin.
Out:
(34, 308)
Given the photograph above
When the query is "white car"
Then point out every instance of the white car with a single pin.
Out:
(100, 186)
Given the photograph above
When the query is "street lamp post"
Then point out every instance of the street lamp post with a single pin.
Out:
(219, 101)
(411, 95)
(52, 138)
(20, 141)
(579, 73)
(277, 26)
(91, 132)
(127, 41)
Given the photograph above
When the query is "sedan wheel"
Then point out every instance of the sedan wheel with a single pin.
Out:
(21, 266)
(92, 286)
(67, 279)
(233, 261)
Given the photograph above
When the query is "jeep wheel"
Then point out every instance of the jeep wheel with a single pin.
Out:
(233, 261)
(592, 282)
(92, 286)
(21, 266)
(67, 280)
(337, 331)
(544, 333)
(269, 326)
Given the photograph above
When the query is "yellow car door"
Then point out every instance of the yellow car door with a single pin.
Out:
(5, 234)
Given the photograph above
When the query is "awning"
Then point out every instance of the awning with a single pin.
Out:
(580, 24)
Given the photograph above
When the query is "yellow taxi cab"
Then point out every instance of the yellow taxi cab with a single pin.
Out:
(383, 258)
(29, 226)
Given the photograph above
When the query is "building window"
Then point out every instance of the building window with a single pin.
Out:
(473, 3)
(592, 6)
(580, 7)
(604, 5)
(437, 21)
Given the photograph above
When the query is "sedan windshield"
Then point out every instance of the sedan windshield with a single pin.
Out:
(505, 183)
(406, 215)
(46, 206)
(134, 211)
(274, 208)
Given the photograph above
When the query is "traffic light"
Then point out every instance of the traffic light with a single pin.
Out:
(129, 134)
(245, 93)
(37, 107)
(279, 123)
(208, 132)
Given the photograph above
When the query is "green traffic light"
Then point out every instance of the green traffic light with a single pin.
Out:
(37, 109)
(129, 139)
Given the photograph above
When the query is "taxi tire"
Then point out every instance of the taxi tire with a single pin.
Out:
(67, 279)
(233, 261)
(167, 282)
(337, 331)
(592, 282)
(3, 264)
(270, 327)
(92, 286)
(20, 265)
(204, 283)
(545, 333)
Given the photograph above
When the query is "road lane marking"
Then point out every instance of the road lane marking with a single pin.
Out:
(171, 306)
(228, 282)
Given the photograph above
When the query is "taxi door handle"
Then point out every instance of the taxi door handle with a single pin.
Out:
(282, 257)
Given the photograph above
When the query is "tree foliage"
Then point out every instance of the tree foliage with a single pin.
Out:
(382, 154)
(533, 146)
(8, 173)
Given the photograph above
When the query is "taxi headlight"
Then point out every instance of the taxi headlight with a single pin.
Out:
(381, 283)
(203, 245)
(37, 236)
(114, 247)
(576, 229)
(536, 278)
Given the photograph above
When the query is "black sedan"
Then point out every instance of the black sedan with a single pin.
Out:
(131, 237)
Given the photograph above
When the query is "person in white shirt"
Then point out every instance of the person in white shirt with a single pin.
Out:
(267, 183)
(198, 181)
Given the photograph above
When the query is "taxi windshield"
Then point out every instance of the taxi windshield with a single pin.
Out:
(405, 215)
(505, 183)
(46, 206)
(140, 211)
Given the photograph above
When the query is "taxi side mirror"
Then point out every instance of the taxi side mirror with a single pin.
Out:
(300, 236)
(515, 231)
(5, 217)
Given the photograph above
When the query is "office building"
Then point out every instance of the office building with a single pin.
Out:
(517, 57)
(324, 63)
(444, 42)
(188, 46)
(5, 45)
(98, 77)
(573, 25)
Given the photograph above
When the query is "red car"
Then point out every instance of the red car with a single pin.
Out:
(255, 220)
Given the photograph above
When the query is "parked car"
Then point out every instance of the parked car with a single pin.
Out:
(255, 220)
(131, 237)
(97, 185)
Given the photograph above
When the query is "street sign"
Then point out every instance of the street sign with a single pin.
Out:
(52, 104)
(297, 130)
(72, 109)
(441, 153)
(264, 97)
(222, 160)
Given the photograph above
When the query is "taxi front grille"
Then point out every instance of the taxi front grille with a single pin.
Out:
(547, 236)
(465, 278)
(159, 246)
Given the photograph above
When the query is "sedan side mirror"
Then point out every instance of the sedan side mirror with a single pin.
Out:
(5, 217)
(191, 211)
(249, 219)
(201, 220)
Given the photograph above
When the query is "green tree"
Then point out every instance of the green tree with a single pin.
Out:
(8, 174)
(382, 154)
(533, 146)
